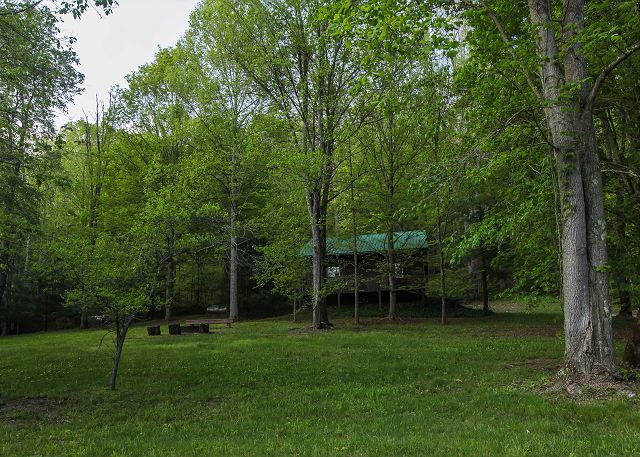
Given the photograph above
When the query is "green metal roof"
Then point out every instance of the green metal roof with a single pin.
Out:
(373, 242)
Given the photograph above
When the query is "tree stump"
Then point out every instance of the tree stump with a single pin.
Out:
(174, 329)
(204, 328)
(191, 328)
(153, 330)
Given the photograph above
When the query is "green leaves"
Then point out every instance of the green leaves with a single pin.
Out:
(78, 7)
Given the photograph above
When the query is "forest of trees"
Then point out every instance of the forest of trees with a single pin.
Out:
(508, 131)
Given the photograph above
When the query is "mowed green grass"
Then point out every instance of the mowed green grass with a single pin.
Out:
(270, 387)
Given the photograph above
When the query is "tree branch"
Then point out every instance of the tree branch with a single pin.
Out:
(21, 10)
(505, 39)
(597, 85)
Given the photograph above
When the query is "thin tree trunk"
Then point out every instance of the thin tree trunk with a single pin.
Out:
(391, 274)
(169, 283)
(616, 157)
(443, 280)
(121, 335)
(84, 324)
(354, 240)
(233, 280)
(485, 291)
(484, 279)
(233, 241)
(46, 313)
(4, 267)
(95, 184)
(443, 283)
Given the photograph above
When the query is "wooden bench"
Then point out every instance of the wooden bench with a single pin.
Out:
(205, 322)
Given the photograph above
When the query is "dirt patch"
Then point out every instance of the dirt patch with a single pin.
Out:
(212, 402)
(594, 392)
(24, 411)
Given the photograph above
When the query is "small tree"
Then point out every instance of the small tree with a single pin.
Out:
(125, 282)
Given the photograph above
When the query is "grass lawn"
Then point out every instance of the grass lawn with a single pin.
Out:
(270, 387)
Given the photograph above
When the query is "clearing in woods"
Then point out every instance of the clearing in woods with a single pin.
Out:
(268, 387)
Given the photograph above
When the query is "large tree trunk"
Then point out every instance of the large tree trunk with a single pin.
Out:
(318, 241)
(601, 360)
(589, 353)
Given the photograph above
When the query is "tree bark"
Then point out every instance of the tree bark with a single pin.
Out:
(233, 240)
(391, 274)
(318, 241)
(84, 324)
(443, 281)
(485, 291)
(233, 280)
(354, 241)
(4, 267)
(589, 355)
(121, 335)
(170, 281)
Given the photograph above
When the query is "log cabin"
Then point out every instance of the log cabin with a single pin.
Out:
(410, 266)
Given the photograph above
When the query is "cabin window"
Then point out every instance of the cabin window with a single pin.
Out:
(333, 272)
(398, 271)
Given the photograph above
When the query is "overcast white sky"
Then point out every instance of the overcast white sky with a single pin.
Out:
(110, 47)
